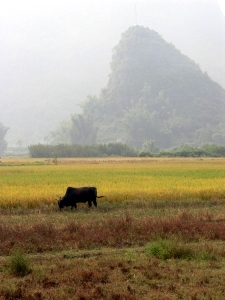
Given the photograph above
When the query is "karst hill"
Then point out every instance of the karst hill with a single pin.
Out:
(155, 93)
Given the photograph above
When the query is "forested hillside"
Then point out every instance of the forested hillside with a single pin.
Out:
(155, 93)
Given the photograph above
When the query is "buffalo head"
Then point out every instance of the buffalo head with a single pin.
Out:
(60, 203)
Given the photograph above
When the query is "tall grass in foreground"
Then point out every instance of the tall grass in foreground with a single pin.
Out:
(173, 249)
(112, 232)
(19, 264)
(147, 179)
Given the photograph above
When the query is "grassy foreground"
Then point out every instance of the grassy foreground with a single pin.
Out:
(135, 245)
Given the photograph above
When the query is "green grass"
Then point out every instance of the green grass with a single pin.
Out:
(19, 264)
(174, 249)
(167, 249)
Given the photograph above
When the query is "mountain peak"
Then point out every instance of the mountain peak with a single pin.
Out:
(157, 93)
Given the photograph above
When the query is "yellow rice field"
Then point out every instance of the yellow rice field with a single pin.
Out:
(32, 183)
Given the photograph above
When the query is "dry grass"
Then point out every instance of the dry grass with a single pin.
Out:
(106, 253)
(108, 231)
(102, 254)
(107, 276)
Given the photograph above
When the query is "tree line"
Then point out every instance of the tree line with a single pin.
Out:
(118, 149)
(75, 150)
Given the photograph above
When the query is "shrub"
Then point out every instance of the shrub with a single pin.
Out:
(145, 154)
(75, 150)
(19, 264)
(166, 249)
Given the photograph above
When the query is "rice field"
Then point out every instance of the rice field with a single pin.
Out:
(33, 183)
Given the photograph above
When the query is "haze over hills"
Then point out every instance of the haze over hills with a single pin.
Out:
(53, 56)
(154, 93)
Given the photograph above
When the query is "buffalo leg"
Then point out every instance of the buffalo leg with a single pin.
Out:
(74, 205)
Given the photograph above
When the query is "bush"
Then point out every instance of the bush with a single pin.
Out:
(96, 150)
(167, 249)
(191, 151)
(19, 264)
(145, 154)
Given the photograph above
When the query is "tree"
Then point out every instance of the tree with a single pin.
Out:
(60, 134)
(149, 146)
(82, 131)
(79, 130)
(3, 143)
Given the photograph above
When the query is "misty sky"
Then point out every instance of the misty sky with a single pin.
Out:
(55, 53)
(222, 5)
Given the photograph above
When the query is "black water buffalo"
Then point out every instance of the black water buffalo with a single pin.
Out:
(78, 195)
